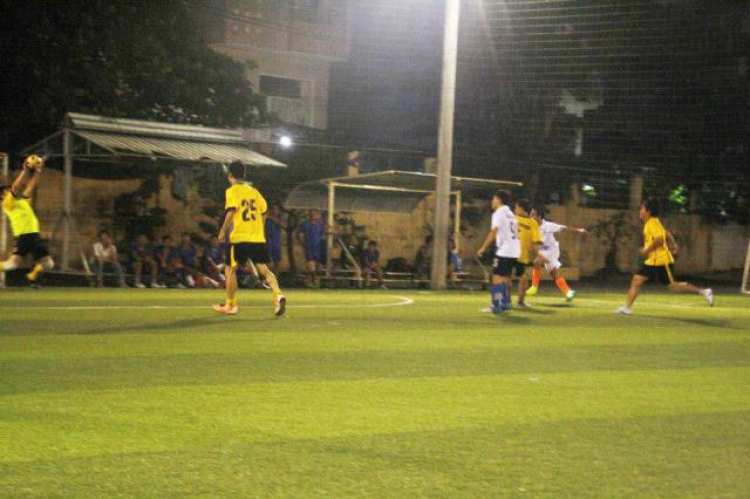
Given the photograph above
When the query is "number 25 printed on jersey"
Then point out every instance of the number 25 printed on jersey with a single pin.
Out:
(249, 210)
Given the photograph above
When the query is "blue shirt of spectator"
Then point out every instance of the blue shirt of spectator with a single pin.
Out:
(313, 231)
(216, 255)
(273, 239)
(371, 255)
(187, 254)
(142, 249)
(166, 251)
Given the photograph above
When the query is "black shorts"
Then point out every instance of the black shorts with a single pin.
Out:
(31, 244)
(504, 267)
(661, 273)
(238, 254)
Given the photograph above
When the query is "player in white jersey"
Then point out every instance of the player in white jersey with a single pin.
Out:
(549, 254)
(504, 233)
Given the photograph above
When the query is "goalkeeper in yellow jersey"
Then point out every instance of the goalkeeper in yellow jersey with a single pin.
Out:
(15, 201)
(244, 222)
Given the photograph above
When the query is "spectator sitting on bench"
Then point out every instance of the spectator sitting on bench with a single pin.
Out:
(454, 261)
(423, 260)
(213, 261)
(105, 257)
(371, 264)
(187, 260)
(143, 255)
(167, 259)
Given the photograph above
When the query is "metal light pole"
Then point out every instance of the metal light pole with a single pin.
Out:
(445, 146)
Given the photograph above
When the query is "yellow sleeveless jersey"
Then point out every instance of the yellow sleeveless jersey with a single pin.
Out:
(21, 215)
(528, 234)
(661, 255)
(249, 206)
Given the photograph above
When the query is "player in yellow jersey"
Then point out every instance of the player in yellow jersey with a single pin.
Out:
(245, 223)
(530, 238)
(658, 259)
(23, 221)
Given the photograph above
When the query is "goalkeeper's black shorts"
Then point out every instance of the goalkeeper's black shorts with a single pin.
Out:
(31, 244)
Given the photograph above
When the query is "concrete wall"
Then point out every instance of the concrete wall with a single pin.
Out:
(93, 205)
(704, 247)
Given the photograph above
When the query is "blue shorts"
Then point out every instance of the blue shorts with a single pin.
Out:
(313, 254)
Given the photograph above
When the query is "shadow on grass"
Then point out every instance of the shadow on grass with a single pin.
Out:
(161, 326)
(535, 310)
(717, 323)
(512, 317)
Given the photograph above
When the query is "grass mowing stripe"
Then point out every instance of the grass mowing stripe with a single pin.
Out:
(662, 456)
(182, 417)
(105, 373)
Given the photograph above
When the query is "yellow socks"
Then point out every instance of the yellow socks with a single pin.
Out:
(38, 269)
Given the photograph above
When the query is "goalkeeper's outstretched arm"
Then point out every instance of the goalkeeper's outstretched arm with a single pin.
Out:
(19, 184)
(25, 183)
(31, 184)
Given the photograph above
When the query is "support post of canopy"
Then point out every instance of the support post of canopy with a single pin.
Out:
(67, 197)
(457, 222)
(330, 228)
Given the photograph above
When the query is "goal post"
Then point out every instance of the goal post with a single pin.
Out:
(746, 272)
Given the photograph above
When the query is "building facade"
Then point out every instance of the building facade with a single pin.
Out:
(291, 46)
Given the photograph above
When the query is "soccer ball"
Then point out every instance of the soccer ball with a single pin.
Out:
(33, 162)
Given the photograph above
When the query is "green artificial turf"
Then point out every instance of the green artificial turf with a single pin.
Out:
(147, 393)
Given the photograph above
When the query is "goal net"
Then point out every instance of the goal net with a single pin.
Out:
(746, 273)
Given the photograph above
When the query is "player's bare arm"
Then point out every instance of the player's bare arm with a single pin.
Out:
(31, 184)
(672, 244)
(487, 241)
(20, 182)
(534, 252)
(577, 230)
(227, 221)
(658, 241)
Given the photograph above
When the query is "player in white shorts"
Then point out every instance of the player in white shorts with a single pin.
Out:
(549, 254)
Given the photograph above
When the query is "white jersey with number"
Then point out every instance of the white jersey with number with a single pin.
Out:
(506, 240)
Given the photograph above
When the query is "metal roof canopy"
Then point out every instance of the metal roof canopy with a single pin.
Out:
(114, 140)
(101, 139)
(387, 192)
(384, 192)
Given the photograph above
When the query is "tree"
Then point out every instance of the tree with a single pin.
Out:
(140, 59)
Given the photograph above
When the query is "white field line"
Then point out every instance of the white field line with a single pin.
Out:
(403, 301)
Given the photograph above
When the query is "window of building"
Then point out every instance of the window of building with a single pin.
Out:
(307, 10)
(274, 86)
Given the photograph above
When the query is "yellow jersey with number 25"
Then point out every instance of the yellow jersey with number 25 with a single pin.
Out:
(249, 207)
